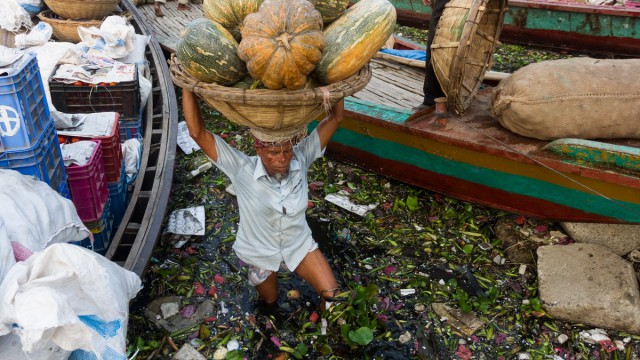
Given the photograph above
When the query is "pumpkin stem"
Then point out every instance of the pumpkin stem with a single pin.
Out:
(284, 39)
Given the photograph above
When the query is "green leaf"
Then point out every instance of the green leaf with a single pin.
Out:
(301, 351)
(234, 355)
(361, 336)
(412, 203)
(468, 248)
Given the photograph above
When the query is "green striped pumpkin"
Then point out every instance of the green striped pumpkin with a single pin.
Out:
(230, 13)
(330, 9)
(353, 39)
(208, 52)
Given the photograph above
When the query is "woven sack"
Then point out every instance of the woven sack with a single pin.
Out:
(574, 98)
(463, 47)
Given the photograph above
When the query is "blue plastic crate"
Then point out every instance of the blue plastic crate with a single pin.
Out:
(64, 190)
(24, 111)
(118, 196)
(42, 161)
(131, 128)
(101, 231)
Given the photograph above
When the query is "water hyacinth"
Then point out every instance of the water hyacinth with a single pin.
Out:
(431, 258)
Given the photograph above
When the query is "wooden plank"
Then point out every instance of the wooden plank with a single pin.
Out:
(167, 29)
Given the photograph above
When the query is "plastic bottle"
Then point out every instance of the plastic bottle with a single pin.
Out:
(199, 164)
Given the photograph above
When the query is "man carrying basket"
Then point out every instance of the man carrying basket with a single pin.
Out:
(272, 194)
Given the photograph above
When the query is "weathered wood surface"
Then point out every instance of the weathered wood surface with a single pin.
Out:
(167, 29)
(392, 84)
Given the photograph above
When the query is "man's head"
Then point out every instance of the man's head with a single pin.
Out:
(276, 157)
(276, 150)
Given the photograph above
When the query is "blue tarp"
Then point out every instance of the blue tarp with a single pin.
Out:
(407, 54)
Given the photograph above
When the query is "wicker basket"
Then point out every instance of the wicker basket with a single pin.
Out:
(463, 46)
(83, 9)
(276, 112)
(63, 29)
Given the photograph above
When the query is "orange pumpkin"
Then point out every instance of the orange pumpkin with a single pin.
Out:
(282, 43)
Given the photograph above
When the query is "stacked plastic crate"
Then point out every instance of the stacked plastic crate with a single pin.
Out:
(122, 97)
(112, 157)
(90, 195)
(28, 138)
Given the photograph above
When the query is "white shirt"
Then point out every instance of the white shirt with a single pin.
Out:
(273, 227)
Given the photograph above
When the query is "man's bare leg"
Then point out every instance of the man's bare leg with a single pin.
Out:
(157, 10)
(268, 289)
(315, 270)
(183, 6)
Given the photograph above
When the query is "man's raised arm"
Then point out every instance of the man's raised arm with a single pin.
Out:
(330, 124)
(195, 124)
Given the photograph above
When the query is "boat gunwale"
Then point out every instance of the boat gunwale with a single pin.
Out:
(431, 131)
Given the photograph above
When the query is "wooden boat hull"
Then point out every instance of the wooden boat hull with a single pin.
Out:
(591, 29)
(140, 227)
(472, 158)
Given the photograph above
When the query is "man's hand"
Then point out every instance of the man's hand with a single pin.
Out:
(426, 2)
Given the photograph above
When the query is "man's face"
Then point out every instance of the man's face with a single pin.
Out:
(276, 159)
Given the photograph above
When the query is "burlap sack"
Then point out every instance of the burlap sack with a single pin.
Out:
(573, 98)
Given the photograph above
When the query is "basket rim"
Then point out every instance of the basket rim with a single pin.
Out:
(46, 17)
(335, 91)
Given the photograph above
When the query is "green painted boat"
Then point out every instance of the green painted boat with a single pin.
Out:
(597, 30)
(473, 158)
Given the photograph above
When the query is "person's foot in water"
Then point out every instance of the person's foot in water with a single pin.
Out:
(273, 311)
(157, 10)
(183, 7)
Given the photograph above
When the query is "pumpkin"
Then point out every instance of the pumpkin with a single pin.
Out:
(230, 13)
(208, 52)
(282, 43)
(330, 9)
(353, 39)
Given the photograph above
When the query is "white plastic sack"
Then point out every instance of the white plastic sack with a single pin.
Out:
(139, 48)
(13, 16)
(48, 56)
(145, 86)
(38, 35)
(11, 348)
(131, 152)
(7, 260)
(35, 215)
(70, 297)
(114, 38)
(9, 56)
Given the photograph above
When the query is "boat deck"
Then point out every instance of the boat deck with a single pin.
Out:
(392, 84)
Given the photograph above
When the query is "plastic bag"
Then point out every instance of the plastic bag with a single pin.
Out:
(69, 297)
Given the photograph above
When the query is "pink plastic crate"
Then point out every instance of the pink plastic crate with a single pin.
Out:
(88, 186)
(111, 150)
